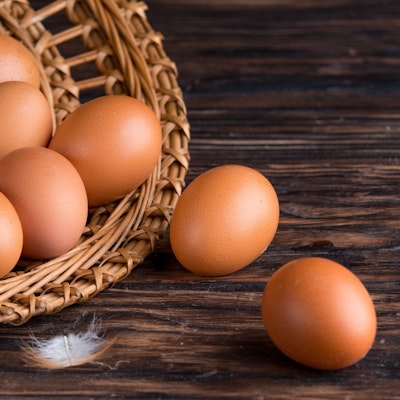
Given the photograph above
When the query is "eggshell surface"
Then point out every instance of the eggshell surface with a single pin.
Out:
(224, 220)
(11, 236)
(114, 142)
(49, 197)
(16, 62)
(319, 313)
(25, 117)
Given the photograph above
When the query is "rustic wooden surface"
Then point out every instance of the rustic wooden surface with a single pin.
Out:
(308, 93)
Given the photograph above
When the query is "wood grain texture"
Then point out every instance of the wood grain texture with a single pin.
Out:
(307, 92)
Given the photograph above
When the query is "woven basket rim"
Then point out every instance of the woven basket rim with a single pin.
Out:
(114, 39)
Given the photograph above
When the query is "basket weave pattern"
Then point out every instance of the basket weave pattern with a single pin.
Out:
(121, 54)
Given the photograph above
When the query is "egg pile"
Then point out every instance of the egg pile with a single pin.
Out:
(315, 310)
(51, 175)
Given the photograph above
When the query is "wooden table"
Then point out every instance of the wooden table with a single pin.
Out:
(308, 93)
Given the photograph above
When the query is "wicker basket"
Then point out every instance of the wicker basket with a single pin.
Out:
(111, 44)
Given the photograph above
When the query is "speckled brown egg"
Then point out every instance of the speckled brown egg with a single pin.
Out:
(49, 197)
(25, 117)
(224, 220)
(17, 63)
(114, 142)
(319, 313)
(11, 236)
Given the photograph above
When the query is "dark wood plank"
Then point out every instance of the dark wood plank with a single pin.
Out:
(307, 93)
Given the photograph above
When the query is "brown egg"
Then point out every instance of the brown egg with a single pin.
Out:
(319, 313)
(17, 62)
(50, 199)
(11, 236)
(25, 117)
(224, 220)
(114, 142)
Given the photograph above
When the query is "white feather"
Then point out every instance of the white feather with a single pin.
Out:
(67, 350)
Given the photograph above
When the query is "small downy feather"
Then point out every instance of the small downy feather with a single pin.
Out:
(68, 350)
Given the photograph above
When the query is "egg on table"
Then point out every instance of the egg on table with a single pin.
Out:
(224, 220)
(319, 313)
